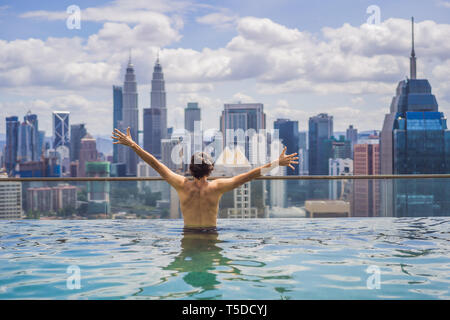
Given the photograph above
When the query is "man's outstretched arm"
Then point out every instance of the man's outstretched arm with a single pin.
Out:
(227, 184)
(175, 180)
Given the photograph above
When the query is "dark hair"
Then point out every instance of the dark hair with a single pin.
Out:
(201, 165)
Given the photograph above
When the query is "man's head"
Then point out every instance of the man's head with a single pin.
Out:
(201, 165)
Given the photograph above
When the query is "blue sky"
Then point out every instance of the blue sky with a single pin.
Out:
(299, 58)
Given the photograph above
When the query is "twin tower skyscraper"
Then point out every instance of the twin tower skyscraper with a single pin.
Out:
(126, 114)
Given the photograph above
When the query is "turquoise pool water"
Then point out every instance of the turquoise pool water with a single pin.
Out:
(407, 258)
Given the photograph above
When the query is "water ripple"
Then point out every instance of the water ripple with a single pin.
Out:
(249, 259)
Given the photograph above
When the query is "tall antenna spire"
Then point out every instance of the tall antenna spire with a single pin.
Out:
(412, 59)
(157, 57)
(129, 56)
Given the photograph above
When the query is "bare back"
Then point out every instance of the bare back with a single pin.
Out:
(199, 201)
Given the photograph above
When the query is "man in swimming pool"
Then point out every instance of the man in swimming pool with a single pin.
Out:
(199, 198)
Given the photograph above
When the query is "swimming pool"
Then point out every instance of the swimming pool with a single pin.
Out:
(343, 258)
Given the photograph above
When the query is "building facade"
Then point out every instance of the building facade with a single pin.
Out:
(77, 132)
(51, 199)
(191, 114)
(10, 200)
(320, 130)
(352, 135)
(12, 143)
(98, 191)
(88, 152)
(366, 192)
(28, 148)
(288, 134)
(117, 117)
(340, 189)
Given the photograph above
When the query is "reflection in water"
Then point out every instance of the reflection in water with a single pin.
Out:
(199, 256)
(206, 266)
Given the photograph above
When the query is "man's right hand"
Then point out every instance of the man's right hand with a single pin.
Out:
(287, 160)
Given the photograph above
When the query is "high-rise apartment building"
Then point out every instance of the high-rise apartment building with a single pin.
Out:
(366, 192)
(10, 200)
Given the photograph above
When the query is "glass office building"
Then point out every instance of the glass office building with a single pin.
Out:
(415, 140)
(288, 134)
(117, 117)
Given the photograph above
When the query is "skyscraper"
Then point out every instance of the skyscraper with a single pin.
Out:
(288, 134)
(41, 143)
(25, 141)
(352, 136)
(415, 140)
(191, 114)
(155, 117)
(130, 115)
(117, 118)
(239, 122)
(77, 132)
(60, 129)
(32, 121)
(12, 143)
(320, 130)
(28, 149)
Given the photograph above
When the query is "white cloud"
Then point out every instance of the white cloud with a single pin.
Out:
(243, 98)
(220, 20)
(140, 11)
(445, 4)
(275, 59)
(120, 35)
(357, 100)
(265, 31)
(350, 59)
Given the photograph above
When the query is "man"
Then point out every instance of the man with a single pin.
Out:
(199, 198)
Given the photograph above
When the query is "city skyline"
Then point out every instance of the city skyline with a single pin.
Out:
(286, 80)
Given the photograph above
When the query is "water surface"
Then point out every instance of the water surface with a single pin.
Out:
(247, 259)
